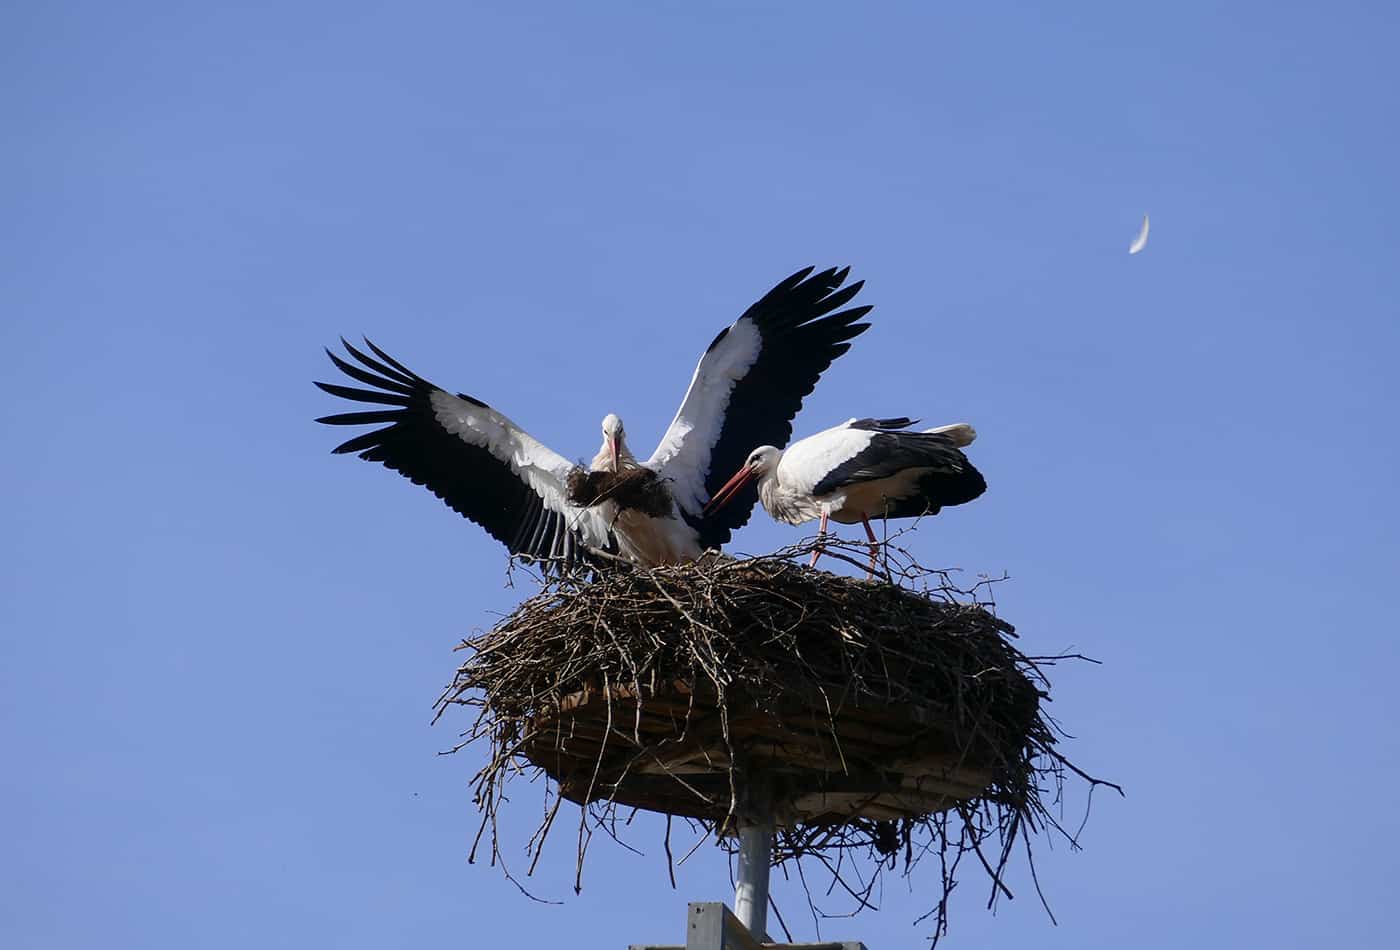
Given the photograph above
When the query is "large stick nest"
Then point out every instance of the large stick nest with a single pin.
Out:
(884, 716)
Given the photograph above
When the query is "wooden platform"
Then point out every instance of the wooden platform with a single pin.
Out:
(670, 750)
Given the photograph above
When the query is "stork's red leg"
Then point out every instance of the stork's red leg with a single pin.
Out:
(874, 546)
(821, 536)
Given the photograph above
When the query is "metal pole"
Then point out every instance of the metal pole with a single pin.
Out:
(755, 862)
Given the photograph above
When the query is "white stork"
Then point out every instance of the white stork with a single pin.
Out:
(747, 388)
(861, 469)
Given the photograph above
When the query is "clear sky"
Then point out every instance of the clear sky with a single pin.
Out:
(221, 643)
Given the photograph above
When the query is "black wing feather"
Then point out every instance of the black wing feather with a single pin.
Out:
(883, 425)
(364, 376)
(363, 395)
(403, 376)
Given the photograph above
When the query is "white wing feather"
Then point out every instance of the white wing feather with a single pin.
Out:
(683, 454)
(1140, 241)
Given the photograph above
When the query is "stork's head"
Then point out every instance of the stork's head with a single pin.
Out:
(760, 464)
(612, 426)
(613, 450)
(763, 460)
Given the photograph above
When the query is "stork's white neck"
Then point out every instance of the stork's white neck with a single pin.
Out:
(785, 504)
(603, 461)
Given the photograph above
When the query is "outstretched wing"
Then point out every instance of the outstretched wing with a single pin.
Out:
(748, 388)
(481, 464)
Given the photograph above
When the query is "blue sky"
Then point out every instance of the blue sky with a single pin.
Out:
(219, 644)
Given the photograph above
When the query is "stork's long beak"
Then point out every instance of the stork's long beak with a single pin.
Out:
(612, 444)
(730, 489)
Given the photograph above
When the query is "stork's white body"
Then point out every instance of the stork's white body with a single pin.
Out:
(649, 541)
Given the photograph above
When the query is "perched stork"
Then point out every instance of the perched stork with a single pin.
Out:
(861, 469)
(746, 390)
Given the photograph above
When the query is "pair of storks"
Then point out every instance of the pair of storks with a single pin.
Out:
(747, 388)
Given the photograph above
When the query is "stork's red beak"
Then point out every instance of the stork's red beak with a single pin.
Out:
(730, 489)
(612, 444)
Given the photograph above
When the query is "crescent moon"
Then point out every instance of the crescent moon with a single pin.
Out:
(1140, 241)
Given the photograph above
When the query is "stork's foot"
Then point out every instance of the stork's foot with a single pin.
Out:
(816, 553)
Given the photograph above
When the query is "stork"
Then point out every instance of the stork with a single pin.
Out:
(861, 469)
(746, 389)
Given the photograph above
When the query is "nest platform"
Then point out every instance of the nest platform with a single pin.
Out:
(678, 748)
